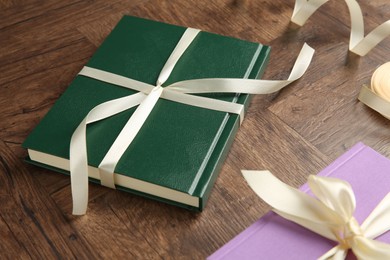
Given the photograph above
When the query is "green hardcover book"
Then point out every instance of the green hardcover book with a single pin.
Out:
(179, 151)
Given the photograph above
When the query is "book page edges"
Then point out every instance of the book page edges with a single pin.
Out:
(121, 180)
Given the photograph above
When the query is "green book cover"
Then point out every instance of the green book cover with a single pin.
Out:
(179, 151)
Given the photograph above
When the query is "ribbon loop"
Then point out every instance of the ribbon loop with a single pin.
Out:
(358, 44)
(336, 194)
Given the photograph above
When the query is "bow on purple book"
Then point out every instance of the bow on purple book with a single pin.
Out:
(330, 214)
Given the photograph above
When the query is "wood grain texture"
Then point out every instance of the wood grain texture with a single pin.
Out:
(293, 133)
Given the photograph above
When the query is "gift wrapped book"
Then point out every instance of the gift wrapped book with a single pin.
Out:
(177, 154)
(366, 232)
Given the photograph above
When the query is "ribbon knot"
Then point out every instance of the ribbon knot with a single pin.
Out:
(330, 214)
(157, 89)
(352, 229)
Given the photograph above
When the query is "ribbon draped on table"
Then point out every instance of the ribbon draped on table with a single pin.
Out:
(378, 96)
(330, 214)
(358, 44)
(146, 98)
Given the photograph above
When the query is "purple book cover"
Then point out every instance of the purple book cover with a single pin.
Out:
(273, 237)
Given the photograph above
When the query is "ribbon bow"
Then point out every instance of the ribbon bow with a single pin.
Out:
(358, 44)
(146, 99)
(330, 214)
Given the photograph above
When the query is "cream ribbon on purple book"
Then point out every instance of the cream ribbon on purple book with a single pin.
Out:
(358, 44)
(330, 214)
(146, 98)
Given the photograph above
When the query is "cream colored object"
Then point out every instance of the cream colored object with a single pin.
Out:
(358, 44)
(330, 214)
(146, 99)
(378, 96)
(380, 81)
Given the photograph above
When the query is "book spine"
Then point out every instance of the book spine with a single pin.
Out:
(230, 129)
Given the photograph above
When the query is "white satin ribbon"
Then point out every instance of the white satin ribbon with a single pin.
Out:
(330, 214)
(378, 96)
(146, 98)
(358, 44)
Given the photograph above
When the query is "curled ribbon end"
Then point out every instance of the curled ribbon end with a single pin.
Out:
(308, 48)
(80, 203)
(246, 173)
(298, 22)
(358, 52)
(252, 176)
(79, 212)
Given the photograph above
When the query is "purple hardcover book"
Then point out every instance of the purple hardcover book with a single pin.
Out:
(273, 237)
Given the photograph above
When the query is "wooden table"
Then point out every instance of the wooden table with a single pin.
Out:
(294, 133)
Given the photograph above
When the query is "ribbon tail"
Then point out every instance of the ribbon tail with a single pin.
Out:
(247, 86)
(78, 148)
(321, 228)
(302, 62)
(292, 204)
(336, 253)
(365, 248)
(304, 9)
(126, 136)
(340, 255)
(378, 222)
(79, 169)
